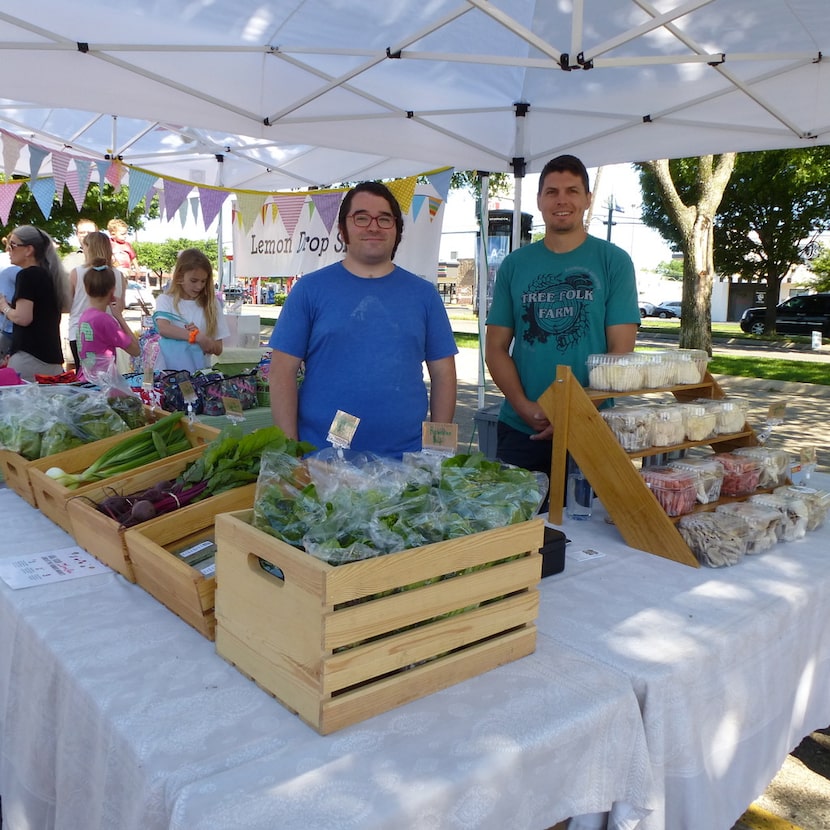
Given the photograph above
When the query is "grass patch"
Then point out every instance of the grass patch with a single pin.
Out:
(770, 368)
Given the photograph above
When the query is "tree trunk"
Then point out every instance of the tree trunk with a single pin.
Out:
(696, 224)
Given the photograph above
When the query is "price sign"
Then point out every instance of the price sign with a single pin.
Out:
(776, 412)
(188, 392)
(438, 437)
(342, 429)
(233, 408)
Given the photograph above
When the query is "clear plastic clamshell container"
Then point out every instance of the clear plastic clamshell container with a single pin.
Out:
(716, 539)
(674, 489)
(689, 365)
(708, 477)
(731, 416)
(793, 511)
(615, 372)
(762, 523)
(631, 425)
(817, 501)
(740, 474)
(669, 426)
(775, 464)
(658, 369)
(701, 421)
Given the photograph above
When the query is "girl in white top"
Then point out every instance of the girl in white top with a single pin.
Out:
(188, 316)
(96, 245)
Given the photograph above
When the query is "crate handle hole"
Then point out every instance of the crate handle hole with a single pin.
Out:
(270, 569)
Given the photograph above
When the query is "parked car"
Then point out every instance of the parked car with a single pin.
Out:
(137, 295)
(646, 309)
(803, 314)
(666, 310)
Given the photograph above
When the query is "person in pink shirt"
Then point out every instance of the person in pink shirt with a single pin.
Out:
(100, 333)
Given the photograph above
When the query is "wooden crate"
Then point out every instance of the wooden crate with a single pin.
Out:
(182, 588)
(51, 497)
(102, 536)
(340, 644)
(15, 468)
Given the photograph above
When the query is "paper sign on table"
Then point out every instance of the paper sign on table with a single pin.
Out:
(44, 568)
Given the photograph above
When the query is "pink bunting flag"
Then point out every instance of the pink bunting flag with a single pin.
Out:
(212, 201)
(77, 182)
(8, 190)
(328, 206)
(60, 166)
(290, 208)
(115, 174)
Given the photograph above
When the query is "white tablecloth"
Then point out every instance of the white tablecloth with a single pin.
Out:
(731, 666)
(115, 714)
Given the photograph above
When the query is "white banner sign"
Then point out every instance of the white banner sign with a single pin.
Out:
(294, 234)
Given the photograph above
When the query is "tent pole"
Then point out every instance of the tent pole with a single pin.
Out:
(220, 159)
(483, 278)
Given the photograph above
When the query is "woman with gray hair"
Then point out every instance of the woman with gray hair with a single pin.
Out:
(40, 296)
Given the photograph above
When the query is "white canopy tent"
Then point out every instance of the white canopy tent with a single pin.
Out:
(312, 92)
(264, 95)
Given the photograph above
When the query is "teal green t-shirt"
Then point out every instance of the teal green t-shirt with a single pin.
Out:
(558, 306)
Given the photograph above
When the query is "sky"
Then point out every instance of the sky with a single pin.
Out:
(620, 181)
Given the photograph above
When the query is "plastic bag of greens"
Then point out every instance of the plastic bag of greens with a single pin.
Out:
(90, 416)
(23, 419)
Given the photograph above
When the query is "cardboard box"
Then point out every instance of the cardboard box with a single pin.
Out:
(340, 644)
(52, 498)
(174, 583)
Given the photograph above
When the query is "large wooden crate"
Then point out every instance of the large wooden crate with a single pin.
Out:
(174, 583)
(51, 497)
(15, 468)
(340, 644)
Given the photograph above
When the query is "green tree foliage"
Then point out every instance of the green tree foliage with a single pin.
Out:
(820, 266)
(499, 184)
(99, 207)
(680, 199)
(161, 256)
(776, 203)
(671, 270)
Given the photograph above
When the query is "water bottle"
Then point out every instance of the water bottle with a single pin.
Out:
(579, 495)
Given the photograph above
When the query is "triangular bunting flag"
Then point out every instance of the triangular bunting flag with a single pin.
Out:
(36, 156)
(174, 194)
(290, 208)
(103, 168)
(115, 174)
(328, 206)
(183, 212)
(43, 191)
(11, 153)
(162, 206)
(249, 205)
(194, 207)
(60, 166)
(148, 201)
(417, 203)
(434, 206)
(441, 182)
(78, 182)
(274, 211)
(8, 191)
(403, 190)
(212, 201)
(140, 183)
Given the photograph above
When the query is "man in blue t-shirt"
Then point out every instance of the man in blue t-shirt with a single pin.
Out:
(364, 328)
(555, 302)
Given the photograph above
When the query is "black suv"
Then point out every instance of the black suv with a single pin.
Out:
(803, 314)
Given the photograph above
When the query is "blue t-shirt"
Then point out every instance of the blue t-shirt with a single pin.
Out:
(364, 342)
(8, 278)
(558, 306)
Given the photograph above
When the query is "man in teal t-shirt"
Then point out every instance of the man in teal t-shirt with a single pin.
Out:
(555, 302)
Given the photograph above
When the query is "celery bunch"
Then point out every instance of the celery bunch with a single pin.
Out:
(153, 443)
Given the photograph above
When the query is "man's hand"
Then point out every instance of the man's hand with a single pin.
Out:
(534, 416)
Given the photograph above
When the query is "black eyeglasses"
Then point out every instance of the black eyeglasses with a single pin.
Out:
(13, 245)
(363, 220)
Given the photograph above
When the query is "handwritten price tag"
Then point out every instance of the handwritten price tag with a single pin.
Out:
(439, 437)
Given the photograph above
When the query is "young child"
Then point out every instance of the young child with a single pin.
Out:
(101, 333)
(188, 316)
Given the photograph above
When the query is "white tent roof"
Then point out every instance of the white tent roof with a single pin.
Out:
(309, 92)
